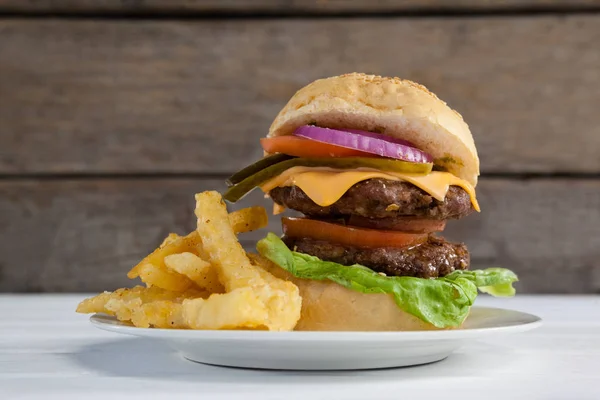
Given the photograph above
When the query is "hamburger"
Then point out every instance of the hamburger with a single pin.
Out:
(376, 167)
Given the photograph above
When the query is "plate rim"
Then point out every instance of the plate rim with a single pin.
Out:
(99, 321)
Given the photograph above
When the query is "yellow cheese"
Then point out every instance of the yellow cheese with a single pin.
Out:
(325, 186)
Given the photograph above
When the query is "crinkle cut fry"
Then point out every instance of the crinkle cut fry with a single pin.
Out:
(281, 299)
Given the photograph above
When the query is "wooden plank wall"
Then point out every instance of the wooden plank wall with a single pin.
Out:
(114, 113)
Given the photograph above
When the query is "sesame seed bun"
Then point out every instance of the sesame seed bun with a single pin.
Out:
(392, 106)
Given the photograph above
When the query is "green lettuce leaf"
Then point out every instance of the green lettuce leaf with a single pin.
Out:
(443, 302)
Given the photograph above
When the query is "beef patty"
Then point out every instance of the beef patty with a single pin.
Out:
(432, 259)
(380, 198)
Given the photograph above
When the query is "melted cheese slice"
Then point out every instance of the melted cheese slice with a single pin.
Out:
(325, 186)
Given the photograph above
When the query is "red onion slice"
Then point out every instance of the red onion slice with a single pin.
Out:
(380, 136)
(368, 142)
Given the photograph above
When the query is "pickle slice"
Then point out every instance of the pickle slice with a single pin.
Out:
(256, 167)
(239, 190)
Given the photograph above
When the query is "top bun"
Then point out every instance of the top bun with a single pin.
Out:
(392, 106)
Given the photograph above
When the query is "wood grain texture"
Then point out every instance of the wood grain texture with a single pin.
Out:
(194, 96)
(85, 235)
(281, 6)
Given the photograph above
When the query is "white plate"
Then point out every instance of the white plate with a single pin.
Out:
(327, 350)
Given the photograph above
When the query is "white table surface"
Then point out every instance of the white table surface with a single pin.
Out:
(48, 351)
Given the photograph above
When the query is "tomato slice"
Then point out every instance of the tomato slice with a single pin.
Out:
(301, 147)
(347, 235)
(404, 224)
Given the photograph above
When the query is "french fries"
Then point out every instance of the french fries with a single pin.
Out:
(244, 220)
(248, 219)
(152, 275)
(220, 243)
(196, 269)
(173, 244)
(233, 310)
(204, 280)
(143, 306)
(281, 299)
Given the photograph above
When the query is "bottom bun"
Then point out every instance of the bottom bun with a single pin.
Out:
(328, 306)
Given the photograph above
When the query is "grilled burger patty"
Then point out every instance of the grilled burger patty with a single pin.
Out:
(380, 198)
(432, 259)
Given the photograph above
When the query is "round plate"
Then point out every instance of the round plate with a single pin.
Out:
(327, 350)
